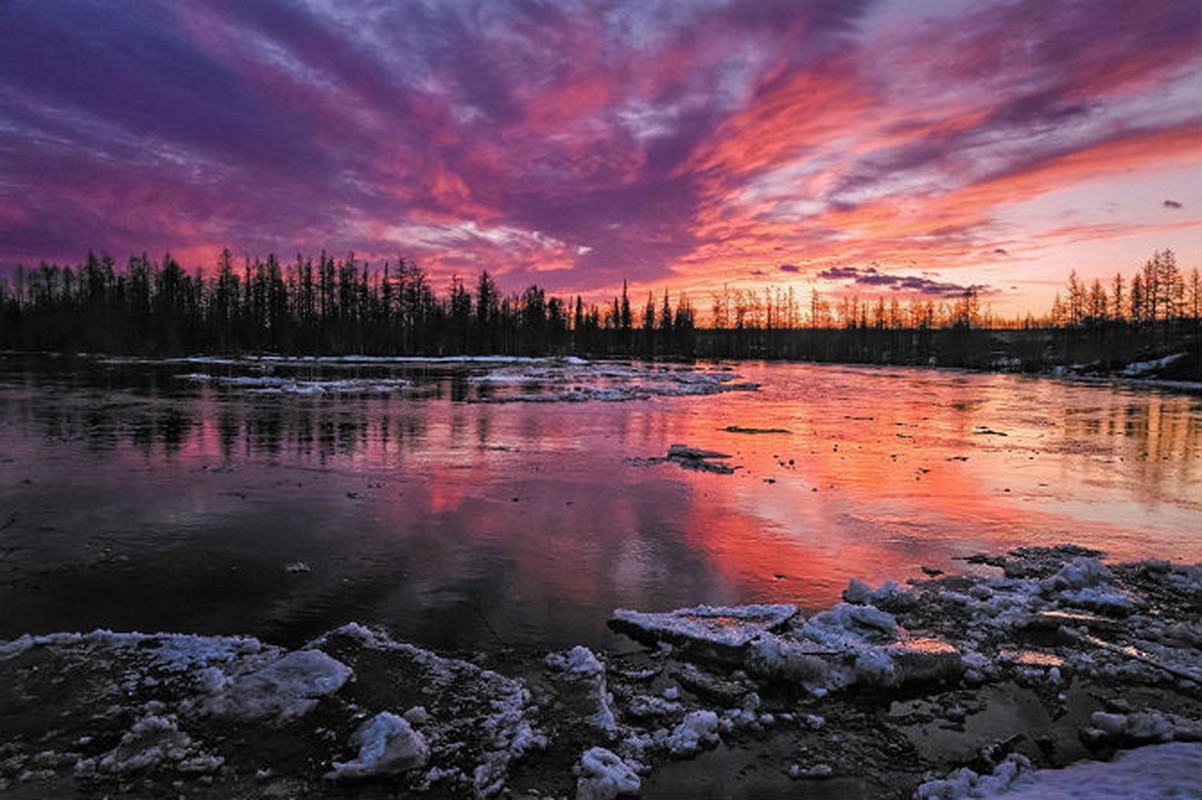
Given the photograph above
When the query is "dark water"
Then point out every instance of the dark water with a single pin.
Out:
(172, 496)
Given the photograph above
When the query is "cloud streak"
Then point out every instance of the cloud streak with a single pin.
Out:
(583, 143)
(871, 278)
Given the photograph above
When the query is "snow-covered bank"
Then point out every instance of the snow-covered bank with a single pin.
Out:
(1174, 372)
(977, 685)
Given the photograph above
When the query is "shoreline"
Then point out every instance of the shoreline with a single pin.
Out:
(957, 681)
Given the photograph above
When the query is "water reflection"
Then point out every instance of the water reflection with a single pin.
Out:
(148, 501)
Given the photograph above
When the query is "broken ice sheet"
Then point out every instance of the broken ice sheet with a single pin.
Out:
(724, 626)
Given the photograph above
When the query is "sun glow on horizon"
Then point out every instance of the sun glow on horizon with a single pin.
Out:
(692, 148)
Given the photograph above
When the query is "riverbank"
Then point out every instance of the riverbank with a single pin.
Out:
(1029, 661)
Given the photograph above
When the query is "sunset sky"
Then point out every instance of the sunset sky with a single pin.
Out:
(893, 147)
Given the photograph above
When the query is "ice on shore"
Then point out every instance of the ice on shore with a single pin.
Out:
(281, 690)
(579, 659)
(1157, 771)
(163, 696)
(162, 708)
(698, 729)
(585, 686)
(722, 626)
(1138, 369)
(605, 776)
(479, 721)
(388, 745)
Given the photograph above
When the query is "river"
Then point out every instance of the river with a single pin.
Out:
(476, 504)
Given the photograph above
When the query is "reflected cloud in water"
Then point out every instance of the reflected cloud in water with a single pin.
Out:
(146, 500)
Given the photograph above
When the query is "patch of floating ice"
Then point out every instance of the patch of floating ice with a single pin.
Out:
(358, 360)
(267, 384)
(577, 382)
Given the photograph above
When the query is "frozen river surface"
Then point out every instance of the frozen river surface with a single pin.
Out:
(473, 504)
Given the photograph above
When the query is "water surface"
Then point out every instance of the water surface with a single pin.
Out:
(174, 495)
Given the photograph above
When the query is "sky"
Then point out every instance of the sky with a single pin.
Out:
(904, 148)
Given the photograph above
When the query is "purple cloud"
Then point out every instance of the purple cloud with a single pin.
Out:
(872, 277)
(569, 144)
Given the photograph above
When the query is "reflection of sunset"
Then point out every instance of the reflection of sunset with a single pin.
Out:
(448, 518)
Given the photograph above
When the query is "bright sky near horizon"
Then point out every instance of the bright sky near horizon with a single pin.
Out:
(892, 147)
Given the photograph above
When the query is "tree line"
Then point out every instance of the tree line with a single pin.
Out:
(323, 307)
(346, 306)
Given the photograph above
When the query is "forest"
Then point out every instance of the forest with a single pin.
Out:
(340, 306)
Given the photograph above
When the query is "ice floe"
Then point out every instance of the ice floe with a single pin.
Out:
(730, 627)
(272, 385)
(576, 382)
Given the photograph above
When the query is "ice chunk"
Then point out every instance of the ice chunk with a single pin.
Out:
(1141, 727)
(874, 667)
(152, 740)
(388, 745)
(1078, 574)
(1138, 369)
(698, 728)
(604, 776)
(789, 659)
(286, 688)
(965, 783)
(579, 659)
(855, 620)
(890, 594)
(643, 706)
(731, 627)
(1106, 602)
